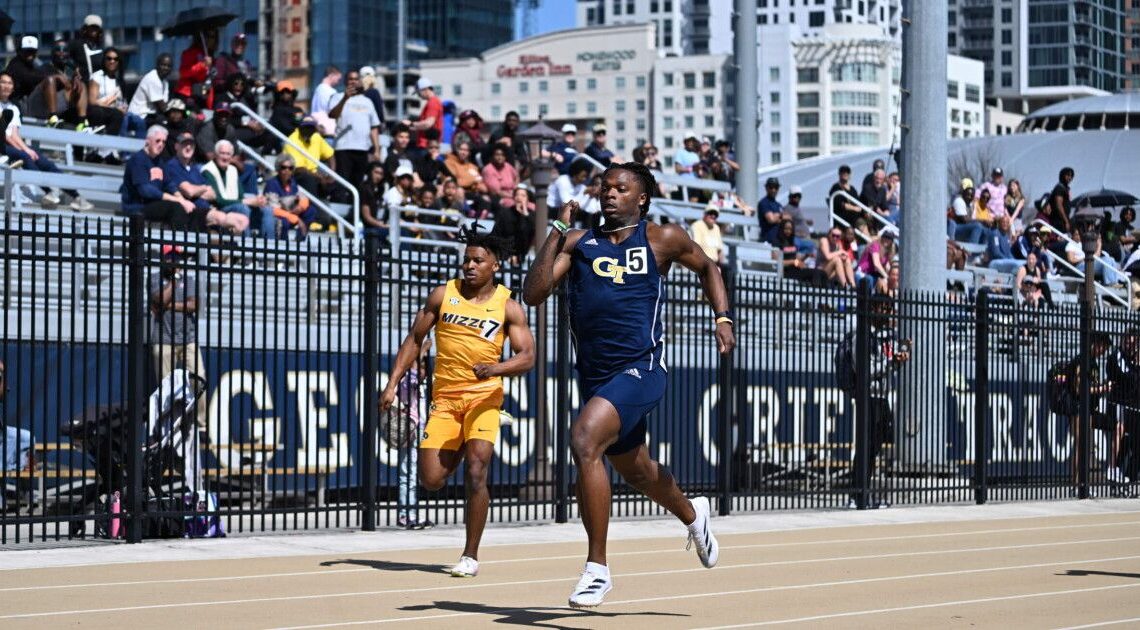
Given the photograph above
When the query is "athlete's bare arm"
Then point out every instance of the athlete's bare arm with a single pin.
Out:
(410, 348)
(553, 259)
(670, 244)
(522, 347)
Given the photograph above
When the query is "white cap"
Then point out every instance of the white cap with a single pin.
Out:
(403, 170)
(29, 42)
(705, 140)
(424, 83)
(691, 136)
(93, 20)
(569, 128)
(795, 190)
(367, 71)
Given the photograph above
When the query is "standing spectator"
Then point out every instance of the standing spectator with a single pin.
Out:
(514, 224)
(999, 247)
(470, 130)
(357, 131)
(894, 199)
(314, 149)
(431, 116)
(410, 393)
(874, 193)
(195, 66)
(598, 150)
(1123, 368)
(960, 224)
(1014, 200)
(770, 211)
(16, 149)
(708, 236)
(224, 177)
(837, 258)
(104, 90)
(291, 208)
(571, 186)
(324, 98)
(229, 64)
(804, 243)
(372, 209)
(153, 91)
(687, 158)
(563, 152)
(285, 116)
(372, 90)
(143, 188)
(25, 72)
(1056, 210)
(997, 191)
(842, 206)
(182, 177)
(728, 158)
(797, 266)
(86, 50)
(172, 294)
(501, 178)
(508, 132)
(1099, 343)
(19, 444)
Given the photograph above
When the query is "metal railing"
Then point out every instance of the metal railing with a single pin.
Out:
(271, 171)
(1110, 266)
(884, 223)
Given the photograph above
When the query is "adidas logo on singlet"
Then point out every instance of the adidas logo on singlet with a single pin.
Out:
(634, 373)
(592, 241)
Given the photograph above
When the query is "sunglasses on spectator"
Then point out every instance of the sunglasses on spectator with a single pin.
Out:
(110, 58)
(287, 167)
(836, 235)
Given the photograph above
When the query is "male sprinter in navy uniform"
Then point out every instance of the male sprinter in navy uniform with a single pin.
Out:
(616, 291)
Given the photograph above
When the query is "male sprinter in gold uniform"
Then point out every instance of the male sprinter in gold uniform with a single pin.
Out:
(471, 317)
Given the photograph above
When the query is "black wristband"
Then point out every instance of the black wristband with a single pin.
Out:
(727, 314)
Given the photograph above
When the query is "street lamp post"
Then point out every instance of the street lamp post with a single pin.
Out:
(1088, 223)
(539, 138)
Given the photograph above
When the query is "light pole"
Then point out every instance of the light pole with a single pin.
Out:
(539, 138)
(1088, 223)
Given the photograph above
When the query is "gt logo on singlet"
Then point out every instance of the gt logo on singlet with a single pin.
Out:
(636, 263)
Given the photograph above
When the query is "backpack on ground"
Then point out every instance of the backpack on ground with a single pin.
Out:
(203, 521)
(1058, 390)
(845, 364)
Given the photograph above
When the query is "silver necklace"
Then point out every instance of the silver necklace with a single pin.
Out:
(605, 231)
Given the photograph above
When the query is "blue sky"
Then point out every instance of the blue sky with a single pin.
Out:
(554, 15)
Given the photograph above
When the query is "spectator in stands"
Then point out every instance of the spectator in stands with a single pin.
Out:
(571, 186)
(177, 122)
(960, 225)
(1029, 282)
(173, 336)
(1033, 241)
(1104, 268)
(25, 72)
(1125, 232)
(400, 153)
(459, 165)
(232, 63)
(183, 177)
(429, 166)
(1014, 200)
(598, 149)
(451, 198)
(876, 258)
(324, 98)
(143, 188)
(224, 177)
(86, 49)
(997, 191)
(470, 130)
(709, 237)
(869, 178)
(19, 444)
(792, 210)
(104, 90)
(501, 178)
(687, 158)
(837, 258)
(402, 198)
(1056, 210)
(770, 211)
(220, 128)
(797, 266)
(371, 90)
(889, 286)
(285, 116)
(999, 247)
(431, 116)
(234, 91)
(194, 86)
(357, 131)
(508, 133)
(982, 212)
(17, 150)
(563, 152)
(894, 199)
(291, 208)
(728, 158)
(373, 211)
(515, 223)
(314, 149)
(842, 206)
(63, 94)
(153, 91)
(874, 193)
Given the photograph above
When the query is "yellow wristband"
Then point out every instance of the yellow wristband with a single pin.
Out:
(724, 320)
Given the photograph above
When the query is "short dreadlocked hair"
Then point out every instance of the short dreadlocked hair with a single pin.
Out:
(648, 181)
(471, 237)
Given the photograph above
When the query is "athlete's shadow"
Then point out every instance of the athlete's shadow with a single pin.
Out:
(386, 565)
(539, 617)
(1084, 572)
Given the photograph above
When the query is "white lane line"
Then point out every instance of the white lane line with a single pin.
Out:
(960, 602)
(263, 576)
(765, 589)
(1115, 622)
(753, 565)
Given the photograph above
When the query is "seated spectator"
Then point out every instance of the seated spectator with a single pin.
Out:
(598, 149)
(997, 191)
(842, 206)
(708, 236)
(458, 164)
(182, 177)
(515, 223)
(797, 266)
(236, 91)
(104, 90)
(1029, 283)
(501, 178)
(571, 186)
(802, 224)
(429, 166)
(506, 133)
(1014, 201)
(401, 153)
(894, 199)
(178, 123)
(292, 209)
(564, 151)
(143, 190)
(876, 258)
(960, 223)
(373, 211)
(62, 94)
(470, 130)
(770, 211)
(220, 127)
(451, 198)
(687, 158)
(19, 444)
(285, 116)
(1125, 232)
(314, 149)
(837, 258)
(999, 247)
(153, 91)
(86, 48)
(874, 193)
(225, 178)
(371, 91)
(402, 195)
(982, 213)
(1104, 269)
(17, 150)
(889, 286)
(232, 63)
(194, 85)
(725, 154)
(25, 72)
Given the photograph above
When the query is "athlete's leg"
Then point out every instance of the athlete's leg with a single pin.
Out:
(596, 427)
(479, 454)
(654, 481)
(436, 465)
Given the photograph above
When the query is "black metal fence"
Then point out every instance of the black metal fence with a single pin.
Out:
(121, 421)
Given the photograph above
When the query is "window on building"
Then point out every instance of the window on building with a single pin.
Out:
(689, 102)
(617, 7)
(847, 98)
(710, 101)
(640, 105)
(640, 124)
(496, 88)
(591, 107)
(690, 80)
(807, 99)
(762, 19)
(774, 73)
(619, 106)
(619, 83)
(640, 82)
(708, 79)
(859, 72)
(1007, 79)
(816, 18)
(667, 78)
(845, 118)
(668, 104)
(774, 118)
(543, 87)
(621, 144)
(854, 138)
(688, 122)
(620, 125)
(543, 110)
(524, 87)
(496, 111)
(654, 6)
(775, 137)
(807, 119)
(668, 122)
(668, 143)
(973, 93)
(803, 155)
(457, 89)
(1006, 15)
(952, 18)
(709, 120)
(591, 84)
(571, 108)
(776, 157)
(1006, 36)
(591, 18)
(952, 89)
(1007, 57)
(667, 34)
(807, 75)
(774, 98)
(629, 7)
(524, 111)
(952, 40)
(571, 85)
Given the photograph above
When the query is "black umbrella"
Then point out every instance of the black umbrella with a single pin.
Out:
(1104, 198)
(192, 21)
(6, 23)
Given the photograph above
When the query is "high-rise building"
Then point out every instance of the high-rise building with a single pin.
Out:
(1041, 51)
(684, 27)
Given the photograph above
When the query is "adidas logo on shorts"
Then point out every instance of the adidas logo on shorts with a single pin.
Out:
(634, 373)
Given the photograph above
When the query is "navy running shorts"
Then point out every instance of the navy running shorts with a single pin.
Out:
(634, 392)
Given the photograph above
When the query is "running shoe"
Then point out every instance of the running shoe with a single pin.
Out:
(701, 535)
(79, 204)
(466, 567)
(591, 590)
